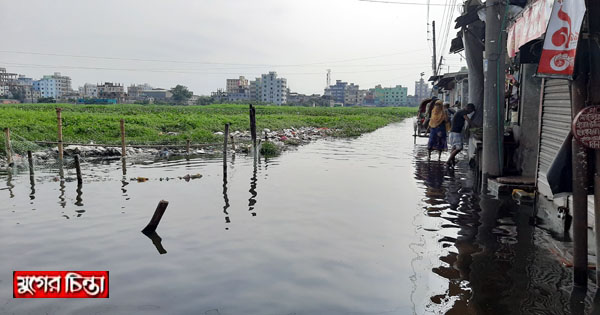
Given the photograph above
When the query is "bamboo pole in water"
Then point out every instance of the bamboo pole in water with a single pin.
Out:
(225, 138)
(8, 148)
(253, 124)
(158, 213)
(123, 149)
(30, 159)
(187, 146)
(60, 134)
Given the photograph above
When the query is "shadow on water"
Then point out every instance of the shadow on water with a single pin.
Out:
(493, 260)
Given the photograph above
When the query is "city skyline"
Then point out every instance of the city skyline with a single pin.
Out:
(200, 44)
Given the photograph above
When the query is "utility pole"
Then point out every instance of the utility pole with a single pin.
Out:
(493, 128)
(434, 66)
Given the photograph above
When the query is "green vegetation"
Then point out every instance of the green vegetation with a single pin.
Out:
(174, 124)
(269, 149)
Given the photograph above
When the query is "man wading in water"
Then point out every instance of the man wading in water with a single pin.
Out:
(456, 138)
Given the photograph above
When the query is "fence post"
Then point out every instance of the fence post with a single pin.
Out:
(225, 138)
(253, 124)
(60, 135)
(8, 148)
(123, 150)
(187, 146)
(158, 213)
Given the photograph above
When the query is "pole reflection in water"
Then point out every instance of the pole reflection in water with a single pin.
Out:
(225, 196)
(9, 183)
(157, 241)
(32, 185)
(79, 198)
(253, 182)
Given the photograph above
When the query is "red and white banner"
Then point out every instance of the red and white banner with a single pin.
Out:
(560, 43)
(529, 25)
(60, 284)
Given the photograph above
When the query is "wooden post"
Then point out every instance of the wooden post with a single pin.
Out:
(78, 168)
(158, 213)
(30, 159)
(253, 124)
(123, 150)
(232, 143)
(8, 148)
(187, 146)
(225, 138)
(266, 136)
(60, 135)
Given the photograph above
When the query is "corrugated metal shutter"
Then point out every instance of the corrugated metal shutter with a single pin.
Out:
(556, 123)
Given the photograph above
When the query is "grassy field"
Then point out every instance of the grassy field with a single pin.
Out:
(149, 124)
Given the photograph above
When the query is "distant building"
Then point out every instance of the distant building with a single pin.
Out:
(412, 101)
(422, 90)
(46, 87)
(346, 94)
(134, 91)
(25, 85)
(111, 91)
(156, 95)
(6, 80)
(273, 90)
(256, 90)
(55, 85)
(391, 96)
(88, 90)
(219, 96)
(236, 85)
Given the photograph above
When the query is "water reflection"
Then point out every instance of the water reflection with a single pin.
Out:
(486, 252)
(225, 196)
(9, 183)
(79, 198)
(156, 240)
(253, 183)
(32, 185)
(61, 197)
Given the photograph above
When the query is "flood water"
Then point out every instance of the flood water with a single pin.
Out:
(355, 226)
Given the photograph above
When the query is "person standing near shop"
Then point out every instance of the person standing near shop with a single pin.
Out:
(456, 137)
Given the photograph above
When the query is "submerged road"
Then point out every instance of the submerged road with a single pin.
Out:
(339, 226)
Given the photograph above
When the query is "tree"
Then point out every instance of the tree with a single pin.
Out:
(181, 94)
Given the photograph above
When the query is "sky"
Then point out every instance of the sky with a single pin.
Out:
(201, 43)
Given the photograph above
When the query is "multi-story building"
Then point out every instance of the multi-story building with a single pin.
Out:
(112, 91)
(134, 91)
(256, 89)
(6, 81)
(156, 95)
(88, 90)
(46, 87)
(422, 90)
(391, 96)
(25, 85)
(346, 94)
(55, 85)
(236, 85)
(273, 89)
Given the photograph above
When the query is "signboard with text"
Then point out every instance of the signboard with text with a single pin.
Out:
(60, 284)
(560, 43)
(586, 127)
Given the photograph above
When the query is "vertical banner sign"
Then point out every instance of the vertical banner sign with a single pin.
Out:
(560, 43)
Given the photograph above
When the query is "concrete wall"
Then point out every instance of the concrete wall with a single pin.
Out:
(527, 132)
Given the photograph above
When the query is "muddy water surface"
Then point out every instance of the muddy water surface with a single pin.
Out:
(357, 226)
